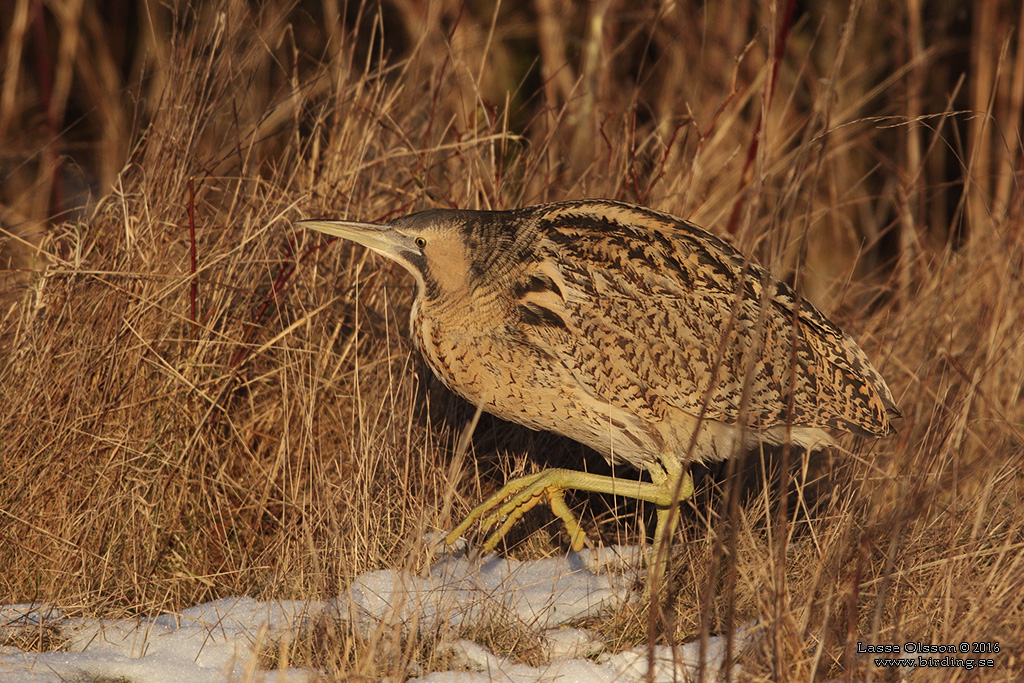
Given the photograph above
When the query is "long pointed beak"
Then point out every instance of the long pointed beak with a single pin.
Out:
(380, 237)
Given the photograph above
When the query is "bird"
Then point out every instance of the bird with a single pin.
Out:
(636, 333)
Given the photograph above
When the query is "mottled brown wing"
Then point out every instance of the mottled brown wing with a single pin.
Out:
(664, 313)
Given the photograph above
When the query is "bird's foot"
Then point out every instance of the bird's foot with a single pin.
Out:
(515, 499)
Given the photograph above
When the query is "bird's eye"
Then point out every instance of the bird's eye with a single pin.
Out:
(421, 242)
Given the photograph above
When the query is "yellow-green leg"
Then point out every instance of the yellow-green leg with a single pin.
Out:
(507, 506)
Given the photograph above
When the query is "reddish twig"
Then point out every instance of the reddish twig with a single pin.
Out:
(755, 141)
(661, 166)
(194, 287)
(635, 176)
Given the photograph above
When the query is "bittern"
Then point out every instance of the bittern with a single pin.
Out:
(631, 331)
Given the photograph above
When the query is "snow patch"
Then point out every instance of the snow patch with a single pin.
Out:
(221, 640)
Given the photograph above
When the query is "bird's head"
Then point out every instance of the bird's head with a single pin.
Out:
(451, 253)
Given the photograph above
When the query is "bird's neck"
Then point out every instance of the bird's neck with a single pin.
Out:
(475, 314)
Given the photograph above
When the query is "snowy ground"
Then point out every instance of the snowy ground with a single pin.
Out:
(218, 641)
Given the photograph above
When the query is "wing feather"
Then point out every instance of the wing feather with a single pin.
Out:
(657, 311)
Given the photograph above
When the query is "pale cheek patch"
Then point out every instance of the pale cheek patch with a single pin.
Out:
(449, 263)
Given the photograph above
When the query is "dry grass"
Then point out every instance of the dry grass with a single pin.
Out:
(257, 423)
